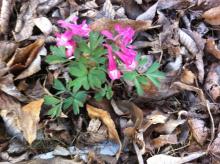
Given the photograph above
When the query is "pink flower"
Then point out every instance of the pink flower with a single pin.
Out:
(62, 39)
(126, 33)
(70, 48)
(113, 72)
(128, 60)
(108, 34)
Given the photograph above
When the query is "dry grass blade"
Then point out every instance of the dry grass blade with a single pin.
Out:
(109, 123)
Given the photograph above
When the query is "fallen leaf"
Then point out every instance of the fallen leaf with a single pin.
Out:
(212, 16)
(132, 9)
(198, 129)
(169, 126)
(25, 56)
(7, 86)
(6, 50)
(108, 10)
(187, 77)
(109, 123)
(6, 10)
(108, 24)
(164, 140)
(168, 159)
(30, 116)
(212, 48)
(212, 82)
(215, 146)
(44, 24)
(149, 14)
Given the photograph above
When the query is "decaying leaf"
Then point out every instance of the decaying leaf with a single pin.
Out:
(6, 9)
(199, 131)
(215, 146)
(29, 118)
(108, 10)
(44, 25)
(212, 16)
(167, 159)
(149, 14)
(6, 50)
(212, 48)
(109, 123)
(25, 56)
(163, 140)
(187, 77)
(7, 86)
(212, 82)
(108, 24)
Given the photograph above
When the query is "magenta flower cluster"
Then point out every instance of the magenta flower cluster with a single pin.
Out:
(122, 39)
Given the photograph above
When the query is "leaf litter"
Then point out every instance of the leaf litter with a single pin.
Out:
(176, 122)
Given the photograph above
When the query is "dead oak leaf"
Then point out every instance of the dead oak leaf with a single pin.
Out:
(29, 119)
(109, 123)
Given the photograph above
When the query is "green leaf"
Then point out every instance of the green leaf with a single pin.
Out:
(58, 51)
(54, 59)
(99, 95)
(55, 111)
(155, 81)
(84, 47)
(139, 89)
(95, 39)
(50, 100)
(142, 79)
(99, 51)
(109, 93)
(58, 85)
(78, 70)
(157, 74)
(81, 96)
(130, 75)
(75, 107)
(154, 67)
(67, 103)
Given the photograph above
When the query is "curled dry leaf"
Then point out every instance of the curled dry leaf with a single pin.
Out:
(6, 9)
(44, 25)
(25, 56)
(212, 82)
(24, 24)
(198, 129)
(167, 159)
(212, 48)
(109, 123)
(7, 86)
(212, 16)
(164, 140)
(6, 50)
(29, 118)
(3, 69)
(108, 24)
(187, 77)
(149, 14)
(108, 10)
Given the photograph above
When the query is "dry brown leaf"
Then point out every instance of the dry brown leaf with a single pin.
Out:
(212, 48)
(215, 146)
(3, 69)
(132, 9)
(44, 24)
(169, 126)
(212, 16)
(108, 24)
(212, 82)
(164, 140)
(7, 86)
(167, 159)
(29, 118)
(25, 56)
(187, 77)
(149, 14)
(198, 129)
(6, 9)
(6, 50)
(109, 123)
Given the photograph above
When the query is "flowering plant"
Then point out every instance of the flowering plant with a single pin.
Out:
(94, 61)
